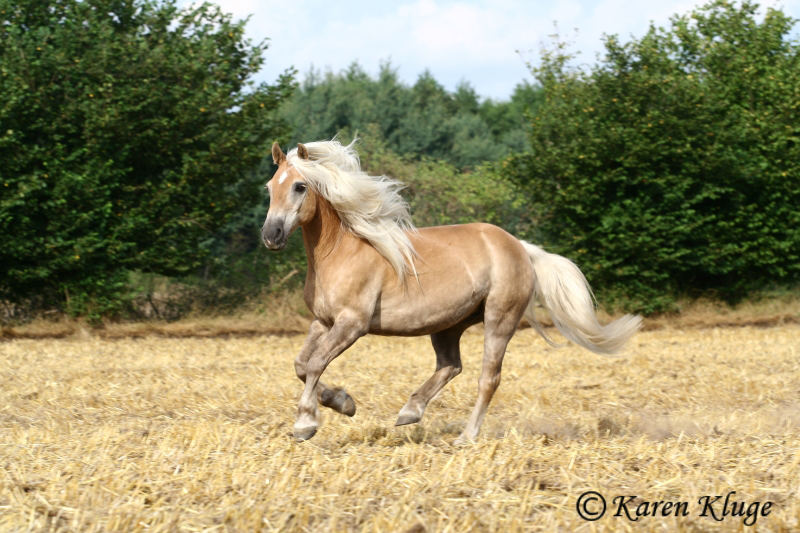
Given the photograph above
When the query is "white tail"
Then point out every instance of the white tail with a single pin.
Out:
(563, 290)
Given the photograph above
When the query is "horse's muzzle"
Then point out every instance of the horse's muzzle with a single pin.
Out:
(274, 235)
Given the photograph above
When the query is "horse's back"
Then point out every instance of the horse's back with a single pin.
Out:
(480, 246)
(509, 266)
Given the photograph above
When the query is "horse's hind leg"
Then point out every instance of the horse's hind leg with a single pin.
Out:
(499, 328)
(334, 398)
(448, 366)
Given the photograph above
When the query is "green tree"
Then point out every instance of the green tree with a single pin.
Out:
(422, 120)
(324, 105)
(128, 133)
(673, 166)
(509, 121)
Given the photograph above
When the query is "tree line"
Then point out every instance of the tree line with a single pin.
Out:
(420, 120)
(134, 146)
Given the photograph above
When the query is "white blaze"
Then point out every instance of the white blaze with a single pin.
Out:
(283, 177)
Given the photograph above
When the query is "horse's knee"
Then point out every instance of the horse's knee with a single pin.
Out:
(489, 383)
(300, 369)
(315, 367)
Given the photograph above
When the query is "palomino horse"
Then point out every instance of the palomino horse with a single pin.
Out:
(371, 271)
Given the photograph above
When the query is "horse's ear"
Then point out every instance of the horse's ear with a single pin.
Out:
(302, 151)
(278, 156)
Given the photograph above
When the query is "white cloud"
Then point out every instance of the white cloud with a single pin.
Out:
(476, 41)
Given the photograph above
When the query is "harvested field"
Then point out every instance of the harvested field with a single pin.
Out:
(189, 434)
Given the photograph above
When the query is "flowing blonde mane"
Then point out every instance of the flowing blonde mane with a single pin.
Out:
(369, 206)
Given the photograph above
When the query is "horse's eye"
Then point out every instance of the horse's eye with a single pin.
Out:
(299, 187)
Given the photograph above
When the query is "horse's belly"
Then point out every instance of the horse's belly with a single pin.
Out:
(423, 322)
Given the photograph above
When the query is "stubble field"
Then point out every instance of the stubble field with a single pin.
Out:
(193, 434)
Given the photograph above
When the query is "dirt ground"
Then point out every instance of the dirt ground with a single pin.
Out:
(191, 434)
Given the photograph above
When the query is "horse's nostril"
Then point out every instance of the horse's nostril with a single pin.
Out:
(274, 234)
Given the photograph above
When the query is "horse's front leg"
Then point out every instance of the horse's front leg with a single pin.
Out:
(334, 398)
(347, 328)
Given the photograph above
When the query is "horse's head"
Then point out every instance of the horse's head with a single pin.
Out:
(292, 202)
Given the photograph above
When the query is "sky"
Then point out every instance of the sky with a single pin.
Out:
(487, 44)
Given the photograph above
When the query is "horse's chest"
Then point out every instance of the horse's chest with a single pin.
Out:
(322, 310)
(320, 300)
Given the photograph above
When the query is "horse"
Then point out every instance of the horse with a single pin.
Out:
(370, 270)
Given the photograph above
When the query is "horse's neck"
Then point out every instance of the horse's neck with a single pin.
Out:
(322, 234)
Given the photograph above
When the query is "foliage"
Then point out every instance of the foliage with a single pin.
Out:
(129, 131)
(438, 193)
(673, 166)
(132, 144)
(423, 120)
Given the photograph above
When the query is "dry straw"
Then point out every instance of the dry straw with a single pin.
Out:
(192, 434)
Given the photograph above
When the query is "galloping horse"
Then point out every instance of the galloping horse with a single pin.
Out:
(371, 271)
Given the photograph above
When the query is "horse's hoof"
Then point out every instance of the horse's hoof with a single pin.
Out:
(339, 401)
(348, 406)
(305, 433)
(403, 420)
(463, 440)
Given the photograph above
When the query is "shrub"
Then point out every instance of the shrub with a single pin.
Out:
(673, 166)
(128, 133)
